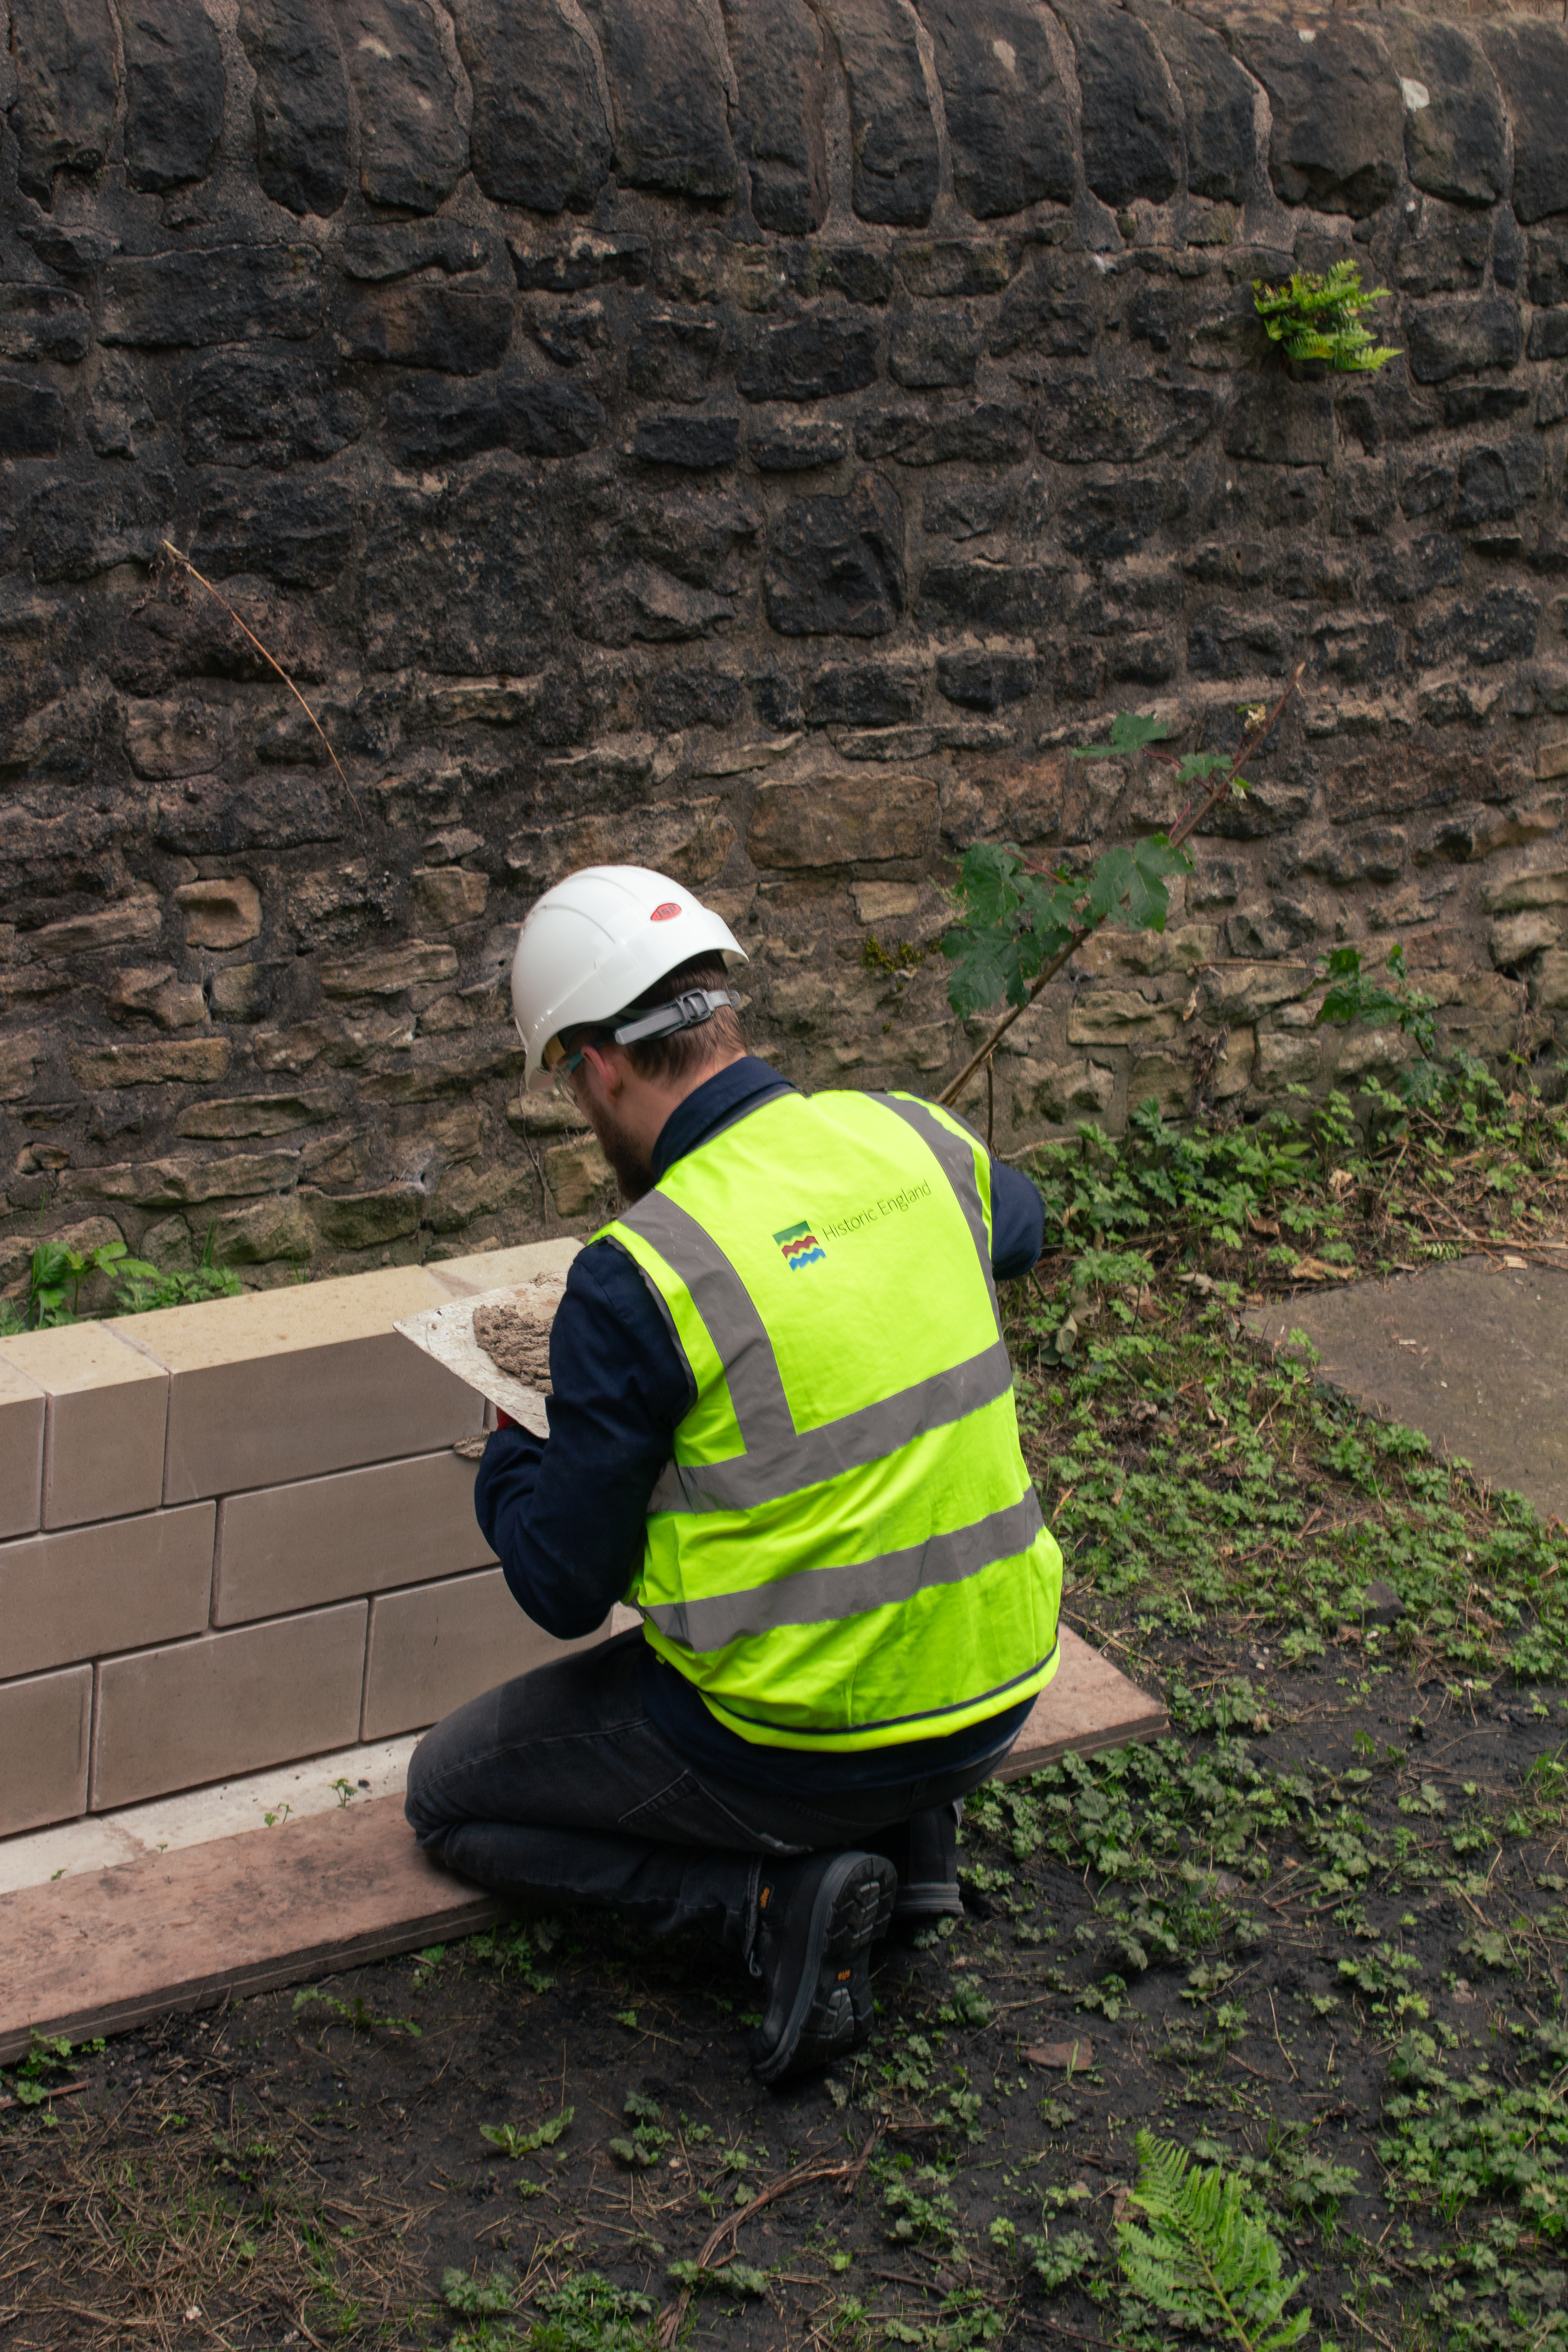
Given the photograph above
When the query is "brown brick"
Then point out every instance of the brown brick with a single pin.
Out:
(44, 1727)
(175, 1061)
(90, 1591)
(103, 1453)
(230, 1703)
(21, 1451)
(285, 1384)
(361, 1531)
(439, 1644)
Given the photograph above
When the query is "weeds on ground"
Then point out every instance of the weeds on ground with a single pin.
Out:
(56, 1273)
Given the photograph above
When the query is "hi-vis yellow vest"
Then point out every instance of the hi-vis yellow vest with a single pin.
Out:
(846, 1551)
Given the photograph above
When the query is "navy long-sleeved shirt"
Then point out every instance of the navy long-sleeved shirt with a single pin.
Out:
(567, 1517)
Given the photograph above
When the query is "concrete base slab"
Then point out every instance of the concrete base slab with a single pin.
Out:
(1473, 1354)
(235, 1908)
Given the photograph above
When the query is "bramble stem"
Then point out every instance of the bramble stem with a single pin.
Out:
(1185, 825)
(272, 661)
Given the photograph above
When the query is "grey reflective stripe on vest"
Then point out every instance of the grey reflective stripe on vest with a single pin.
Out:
(955, 1156)
(779, 1459)
(819, 1596)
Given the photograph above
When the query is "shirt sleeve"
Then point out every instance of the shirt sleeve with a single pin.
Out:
(566, 1518)
(1018, 1222)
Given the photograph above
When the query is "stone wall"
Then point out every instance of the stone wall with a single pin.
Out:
(755, 438)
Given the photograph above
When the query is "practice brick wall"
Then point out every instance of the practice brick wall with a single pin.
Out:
(229, 1621)
(758, 439)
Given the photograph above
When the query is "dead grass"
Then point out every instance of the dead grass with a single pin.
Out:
(177, 2218)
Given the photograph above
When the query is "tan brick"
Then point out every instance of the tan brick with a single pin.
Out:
(21, 1451)
(285, 1384)
(44, 1727)
(361, 1531)
(230, 1703)
(222, 913)
(103, 1452)
(176, 1061)
(1552, 760)
(433, 1647)
(88, 1591)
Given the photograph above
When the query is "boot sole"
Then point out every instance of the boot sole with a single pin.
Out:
(832, 2010)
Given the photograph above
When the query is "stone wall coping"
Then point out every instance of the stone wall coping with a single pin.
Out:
(351, 1306)
(73, 1356)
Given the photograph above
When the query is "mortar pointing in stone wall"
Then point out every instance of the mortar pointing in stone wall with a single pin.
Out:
(756, 446)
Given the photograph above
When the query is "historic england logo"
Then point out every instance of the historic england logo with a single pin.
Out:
(800, 1247)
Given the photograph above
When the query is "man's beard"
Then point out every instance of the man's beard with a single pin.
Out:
(629, 1164)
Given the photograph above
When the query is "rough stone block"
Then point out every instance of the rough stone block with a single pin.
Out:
(173, 93)
(300, 103)
(188, 1062)
(891, 132)
(539, 136)
(1336, 107)
(835, 565)
(21, 1451)
(699, 444)
(777, 49)
(321, 1539)
(842, 820)
(287, 1384)
(1007, 115)
(810, 358)
(1455, 131)
(228, 294)
(578, 1176)
(932, 347)
(669, 97)
(104, 1451)
(32, 418)
(223, 913)
(983, 432)
(1280, 424)
(231, 1702)
(690, 840)
(1530, 60)
(84, 1592)
(44, 1728)
(413, 150)
(1446, 339)
(1085, 420)
(1218, 100)
(62, 100)
(388, 972)
(433, 1649)
(1131, 130)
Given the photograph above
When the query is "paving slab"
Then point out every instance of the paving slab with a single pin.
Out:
(95, 1944)
(1473, 1354)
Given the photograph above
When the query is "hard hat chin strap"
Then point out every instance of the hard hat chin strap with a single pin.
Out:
(688, 1011)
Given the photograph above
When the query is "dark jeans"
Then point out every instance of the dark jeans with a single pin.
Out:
(558, 1788)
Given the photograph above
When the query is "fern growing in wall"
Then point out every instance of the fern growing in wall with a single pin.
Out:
(1317, 317)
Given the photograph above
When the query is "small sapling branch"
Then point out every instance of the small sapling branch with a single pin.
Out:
(272, 662)
(1091, 901)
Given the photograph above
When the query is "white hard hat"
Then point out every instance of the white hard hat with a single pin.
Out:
(596, 942)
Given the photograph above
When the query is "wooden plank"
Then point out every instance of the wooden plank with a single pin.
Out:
(1089, 1704)
(105, 1952)
(113, 1948)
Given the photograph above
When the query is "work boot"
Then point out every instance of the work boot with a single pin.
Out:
(818, 1920)
(924, 1852)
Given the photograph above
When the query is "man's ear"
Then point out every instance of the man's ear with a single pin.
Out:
(609, 1065)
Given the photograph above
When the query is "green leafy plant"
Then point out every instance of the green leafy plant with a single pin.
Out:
(508, 2141)
(639, 2147)
(1206, 2260)
(1017, 925)
(1319, 317)
(356, 2013)
(474, 2297)
(56, 1273)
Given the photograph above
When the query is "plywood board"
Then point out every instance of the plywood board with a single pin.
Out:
(111, 1949)
(1087, 1705)
(107, 1949)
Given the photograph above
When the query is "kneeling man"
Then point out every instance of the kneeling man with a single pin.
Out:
(783, 1429)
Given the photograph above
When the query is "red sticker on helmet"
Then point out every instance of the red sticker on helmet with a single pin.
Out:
(665, 913)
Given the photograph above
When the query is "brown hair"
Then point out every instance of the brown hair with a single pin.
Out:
(668, 1059)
